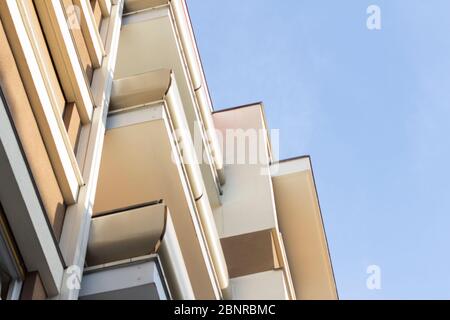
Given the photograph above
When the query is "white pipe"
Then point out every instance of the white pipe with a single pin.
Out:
(187, 39)
(211, 133)
(196, 71)
(195, 178)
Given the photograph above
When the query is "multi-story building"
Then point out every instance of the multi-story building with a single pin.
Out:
(118, 180)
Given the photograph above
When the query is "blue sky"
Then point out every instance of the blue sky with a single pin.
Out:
(372, 108)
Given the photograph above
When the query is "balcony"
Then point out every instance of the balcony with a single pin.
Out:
(140, 279)
(158, 35)
(134, 253)
(247, 220)
(300, 222)
(146, 156)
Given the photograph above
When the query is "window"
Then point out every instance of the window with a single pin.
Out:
(11, 269)
(5, 280)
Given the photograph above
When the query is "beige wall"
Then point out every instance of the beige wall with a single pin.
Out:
(269, 285)
(30, 137)
(247, 202)
(80, 43)
(136, 168)
(301, 226)
(150, 45)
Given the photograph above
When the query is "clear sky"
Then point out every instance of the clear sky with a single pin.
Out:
(372, 108)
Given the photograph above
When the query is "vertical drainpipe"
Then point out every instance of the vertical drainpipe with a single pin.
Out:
(195, 178)
(193, 61)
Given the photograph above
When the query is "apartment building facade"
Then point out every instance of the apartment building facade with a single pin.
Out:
(118, 180)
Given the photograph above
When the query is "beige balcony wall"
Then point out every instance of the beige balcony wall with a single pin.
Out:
(247, 203)
(83, 53)
(186, 37)
(247, 219)
(161, 84)
(303, 231)
(30, 12)
(72, 123)
(150, 41)
(30, 136)
(90, 32)
(105, 6)
(137, 167)
(23, 36)
(97, 11)
(69, 53)
(269, 285)
(149, 231)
